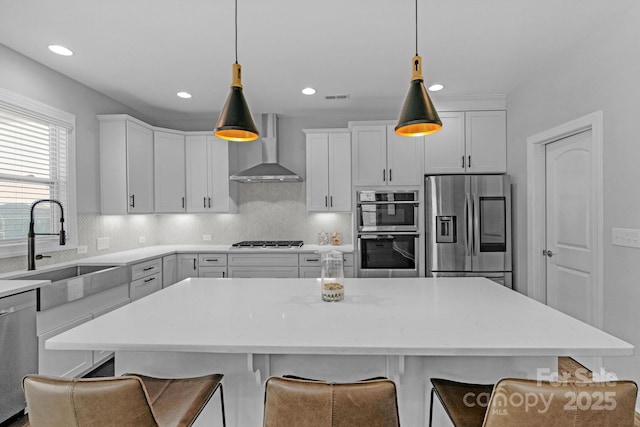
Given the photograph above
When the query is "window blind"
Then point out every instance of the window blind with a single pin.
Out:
(33, 166)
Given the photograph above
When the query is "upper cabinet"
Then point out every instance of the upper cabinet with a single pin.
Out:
(169, 166)
(126, 165)
(383, 158)
(469, 142)
(145, 169)
(328, 170)
(209, 162)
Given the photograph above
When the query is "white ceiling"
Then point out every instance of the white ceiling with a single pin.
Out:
(141, 52)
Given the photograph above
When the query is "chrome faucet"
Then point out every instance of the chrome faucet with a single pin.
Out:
(31, 237)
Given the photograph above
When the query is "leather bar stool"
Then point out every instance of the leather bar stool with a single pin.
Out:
(129, 400)
(531, 403)
(464, 403)
(311, 403)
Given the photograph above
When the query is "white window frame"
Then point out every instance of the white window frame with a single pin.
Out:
(29, 107)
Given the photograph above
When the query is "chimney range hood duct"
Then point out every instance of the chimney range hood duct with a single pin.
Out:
(269, 170)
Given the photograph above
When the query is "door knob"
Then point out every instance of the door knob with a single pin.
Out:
(548, 253)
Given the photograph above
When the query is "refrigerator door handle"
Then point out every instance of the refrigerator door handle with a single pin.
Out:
(468, 224)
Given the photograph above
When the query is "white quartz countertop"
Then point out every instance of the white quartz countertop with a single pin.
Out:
(150, 252)
(399, 316)
(12, 287)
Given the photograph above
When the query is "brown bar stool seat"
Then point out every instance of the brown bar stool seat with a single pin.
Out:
(533, 403)
(311, 403)
(464, 403)
(566, 404)
(129, 400)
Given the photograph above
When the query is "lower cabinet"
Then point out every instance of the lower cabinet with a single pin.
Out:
(187, 266)
(274, 265)
(64, 363)
(101, 356)
(212, 265)
(311, 268)
(169, 270)
(146, 278)
(54, 321)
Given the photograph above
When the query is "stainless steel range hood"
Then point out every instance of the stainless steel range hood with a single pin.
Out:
(269, 170)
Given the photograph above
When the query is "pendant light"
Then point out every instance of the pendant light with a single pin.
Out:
(236, 122)
(418, 116)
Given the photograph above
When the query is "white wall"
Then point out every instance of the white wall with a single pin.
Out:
(26, 77)
(601, 73)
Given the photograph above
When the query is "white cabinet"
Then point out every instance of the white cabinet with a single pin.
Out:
(187, 266)
(328, 170)
(209, 162)
(64, 363)
(169, 171)
(146, 278)
(61, 318)
(381, 157)
(100, 356)
(126, 165)
(212, 265)
(169, 270)
(311, 267)
(469, 142)
(273, 265)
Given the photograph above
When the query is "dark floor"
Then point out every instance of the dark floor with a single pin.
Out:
(104, 370)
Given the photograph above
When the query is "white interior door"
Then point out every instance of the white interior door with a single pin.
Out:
(570, 226)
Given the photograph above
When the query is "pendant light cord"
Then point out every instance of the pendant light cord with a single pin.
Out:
(236, 26)
(416, 27)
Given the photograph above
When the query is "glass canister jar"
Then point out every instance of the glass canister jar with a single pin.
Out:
(332, 276)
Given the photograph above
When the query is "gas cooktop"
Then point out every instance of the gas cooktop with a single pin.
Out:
(268, 244)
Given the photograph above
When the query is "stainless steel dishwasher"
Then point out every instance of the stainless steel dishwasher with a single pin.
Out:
(18, 349)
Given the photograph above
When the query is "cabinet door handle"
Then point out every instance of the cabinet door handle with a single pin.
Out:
(331, 201)
(148, 268)
(325, 202)
(469, 162)
(204, 202)
(384, 174)
(209, 202)
(223, 274)
(462, 162)
(194, 264)
(183, 203)
(150, 279)
(133, 200)
(390, 178)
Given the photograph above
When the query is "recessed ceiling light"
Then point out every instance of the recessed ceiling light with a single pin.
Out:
(60, 50)
(436, 87)
(308, 91)
(185, 95)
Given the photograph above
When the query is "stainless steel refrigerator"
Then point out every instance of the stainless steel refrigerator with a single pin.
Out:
(468, 226)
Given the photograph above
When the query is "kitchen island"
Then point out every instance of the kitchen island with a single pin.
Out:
(408, 329)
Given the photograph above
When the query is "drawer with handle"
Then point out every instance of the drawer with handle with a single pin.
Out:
(145, 286)
(146, 268)
(312, 260)
(212, 260)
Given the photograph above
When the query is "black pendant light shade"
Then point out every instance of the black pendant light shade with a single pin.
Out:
(418, 115)
(236, 122)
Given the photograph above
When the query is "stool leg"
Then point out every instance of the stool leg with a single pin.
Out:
(431, 408)
(224, 421)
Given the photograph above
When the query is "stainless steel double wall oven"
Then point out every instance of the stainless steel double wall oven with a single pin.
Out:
(388, 231)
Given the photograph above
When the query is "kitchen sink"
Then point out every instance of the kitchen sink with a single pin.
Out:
(73, 282)
(64, 273)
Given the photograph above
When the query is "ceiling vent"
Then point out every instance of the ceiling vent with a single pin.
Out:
(337, 97)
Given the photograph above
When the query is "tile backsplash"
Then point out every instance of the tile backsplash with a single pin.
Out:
(266, 211)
